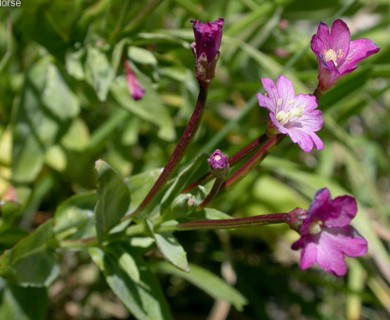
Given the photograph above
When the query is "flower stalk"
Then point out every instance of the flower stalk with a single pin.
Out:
(257, 158)
(235, 223)
(206, 52)
(178, 153)
(233, 160)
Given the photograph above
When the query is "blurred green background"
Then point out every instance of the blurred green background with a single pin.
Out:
(64, 103)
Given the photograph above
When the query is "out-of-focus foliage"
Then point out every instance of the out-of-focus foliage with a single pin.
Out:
(64, 104)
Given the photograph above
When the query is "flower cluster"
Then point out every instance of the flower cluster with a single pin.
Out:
(326, 236)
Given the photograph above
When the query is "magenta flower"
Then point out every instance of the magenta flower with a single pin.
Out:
(135, 89)
(206, 47)
(337, 55)
(293, 115)
(219, 164)
(326, 236)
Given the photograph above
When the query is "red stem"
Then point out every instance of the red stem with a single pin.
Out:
(260, 220)
(181, 146)
(241, 154)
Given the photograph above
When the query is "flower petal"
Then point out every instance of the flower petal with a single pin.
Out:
(341, 211)
(301, 138)
(321, 40)
(308, 255)
(340, 37)
(348, 241)
(359, 50)
(285, 90)
(329, 256)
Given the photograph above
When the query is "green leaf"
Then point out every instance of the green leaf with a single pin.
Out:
(77, 136)
(140, 184)
(170, 248)
(74, 67)
(207, 281)
(74, 218)
(141, 55)
(100, 72)
(40, 119)
(57, 96)
(190, 174)
(27, 150)
(18, 303)
(143, 298)
(31, 262)
(214, 214)
(147, 108)
(113, 199)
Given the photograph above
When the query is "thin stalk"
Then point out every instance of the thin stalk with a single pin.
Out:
(317, 93)
(255, 160)
(180, 148)
(273, 218)
(238, 156)
(213, 193)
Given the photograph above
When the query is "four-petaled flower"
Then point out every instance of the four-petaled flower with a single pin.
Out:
(337, 55)
(135, 89)
(206, 47)
(293, 115)
(326, 234)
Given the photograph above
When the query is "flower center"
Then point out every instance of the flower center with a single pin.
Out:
(315, 227)
(331, 55)
(285, 117)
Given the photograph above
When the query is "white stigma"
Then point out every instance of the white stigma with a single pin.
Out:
(285, 117)
(315, 227)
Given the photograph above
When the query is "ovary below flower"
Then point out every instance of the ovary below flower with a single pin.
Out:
(295, 116)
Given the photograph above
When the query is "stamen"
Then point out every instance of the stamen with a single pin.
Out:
(285, 117)
(330, 55)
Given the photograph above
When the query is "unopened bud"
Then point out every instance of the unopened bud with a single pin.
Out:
(219, 164)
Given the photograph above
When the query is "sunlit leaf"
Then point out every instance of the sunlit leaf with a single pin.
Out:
(207, 281)
(113, 199)
(144, 299)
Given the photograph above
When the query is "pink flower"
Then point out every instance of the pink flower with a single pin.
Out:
(208, 38)
(337, 55)
(293, 115)
(135, 89)
(219, 164)
(326, 236)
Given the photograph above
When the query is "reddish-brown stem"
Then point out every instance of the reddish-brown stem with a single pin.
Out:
(248, 166)
(317, 93)
(241, 154)
(260, 220)
(255, 160)
(214, 191)
(178, 153)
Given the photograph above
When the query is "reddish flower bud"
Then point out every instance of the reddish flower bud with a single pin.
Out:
(219, 164)
(135, 89)
(206, 47)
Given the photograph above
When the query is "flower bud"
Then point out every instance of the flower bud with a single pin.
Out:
(135, 89)
(219, 164)
(206, 48)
